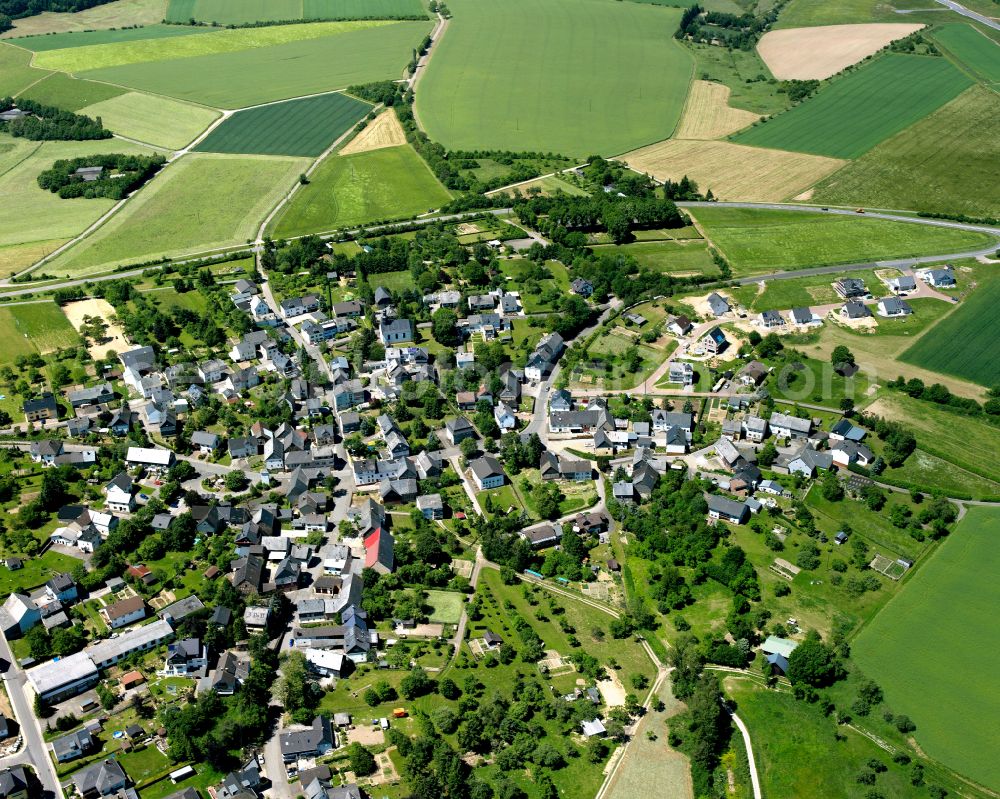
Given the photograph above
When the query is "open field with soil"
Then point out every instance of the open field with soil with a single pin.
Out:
(708, 115)
(855, 112)
(30, 214)
(157, 120)
(732, 171)
(303, 127)
(948, 606)
(109, 15)
(819, 53)
(70, 94)
(949, 162)
(115, 337)
(199, 202)
(383, 131)
(955, 438)
(363, 52)
(965, 344)
(238, 12)
(756, 240)
(104, 56)
(392, 183)
(972, 48)
(510, 76)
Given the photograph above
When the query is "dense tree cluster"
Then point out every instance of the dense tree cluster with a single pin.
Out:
(122, 175)
(48, 123)
(735, 31)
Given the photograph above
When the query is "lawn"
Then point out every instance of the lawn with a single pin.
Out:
(70, 94)
(511, 76)
(362, 52)
(948, 162)
(447, 606)
(304, 127)
(37, 571)
(764, 240)
(392, 183)
(671, 257)
(853, 113)
(120, 54)
(237, 12)
(953, 437)
(973, 49)
(396, 282)
(157, 120)
(15, 72)
(200, 202)
(949, 606)
(965, 344)
(31, 214)
(67, 39)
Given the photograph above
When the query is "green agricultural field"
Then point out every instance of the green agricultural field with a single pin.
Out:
(510, 76)
(949, 162)
(104, 56)
(929, 473)
(972, 48)
(237, 12)
(68, 93)
(808, 13)
(31, 328)
(853, 113)
(447, 606)
(61, 41)
(116, 14)
(30, 214)
(953, 437)
(761, 241)
(363, 52)
(965, 344)
(949, 606)
(161, 121)
(671, 257)
(15, 73)
(297, 127)
(197, 203)
(392, 183)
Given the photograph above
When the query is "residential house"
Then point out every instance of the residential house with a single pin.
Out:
(312, 742)
(540, 536)
(46, 451)
(680, 372)
(395, 331)
(296, 306)
(124, 612)
(850, 288)
(152, 459)
(844, 430)
(19, 614)
(205, 441)
(41, 408)
(379, 547)
(185, 657)
(581, 287)
(808, 461)
(717, 305)
(844, 453)
(487, 472)
(679, 325)
(247, 574)
(802, 316)
(100, 394)
(939, 278)
(901, 284)
(544, 357)
(102, 778)
(728, 510)
(785, 426)
(431, 506)
(457, 429)
(771, 319)
(894, 307)
(505, 416)
(752, 374)
(855, 310)
(714, 341)
(70, 747)
(755, 429)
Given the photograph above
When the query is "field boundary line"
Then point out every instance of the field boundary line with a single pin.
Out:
(35, 83)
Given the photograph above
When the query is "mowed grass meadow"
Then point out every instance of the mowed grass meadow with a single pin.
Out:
(360, 53)
(948, 162)
(569, 76)
(200, 202)
(298, 127)
(60, 41)
(70, 94)
(965, 344)
(34, 327)
(930, 649)
(391, 183)
(975, 50)
(764, 240)
(853, 113)
(16, 72)
(237, 12)
(160, 121)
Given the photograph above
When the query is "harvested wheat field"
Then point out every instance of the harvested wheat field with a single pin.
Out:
(384, 131)
(818, 53)
(708, 115)
(734, 171)
(114, 340)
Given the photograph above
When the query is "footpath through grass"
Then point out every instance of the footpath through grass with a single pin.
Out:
(765, 240)
(853, 113)
(569, 76)
(926, 649)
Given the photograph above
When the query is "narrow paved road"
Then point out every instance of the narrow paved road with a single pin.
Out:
(965, 12)
(754, 779)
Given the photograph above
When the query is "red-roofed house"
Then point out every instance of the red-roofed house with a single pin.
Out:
(379, 551)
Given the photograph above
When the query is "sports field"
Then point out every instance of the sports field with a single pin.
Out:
(297, 127)
(853, 113)
(70, 94)
(733, 171)
(364, 52)
(237, 12)
(109, 15)
(965, 344)
(764, 240)
(391, 183)
(975, 50)
(103, 56)
(199, 202)
(513, 75)
(949, 162)
(29, 214)
(60, 41)
(157, 120)
(927, 649)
